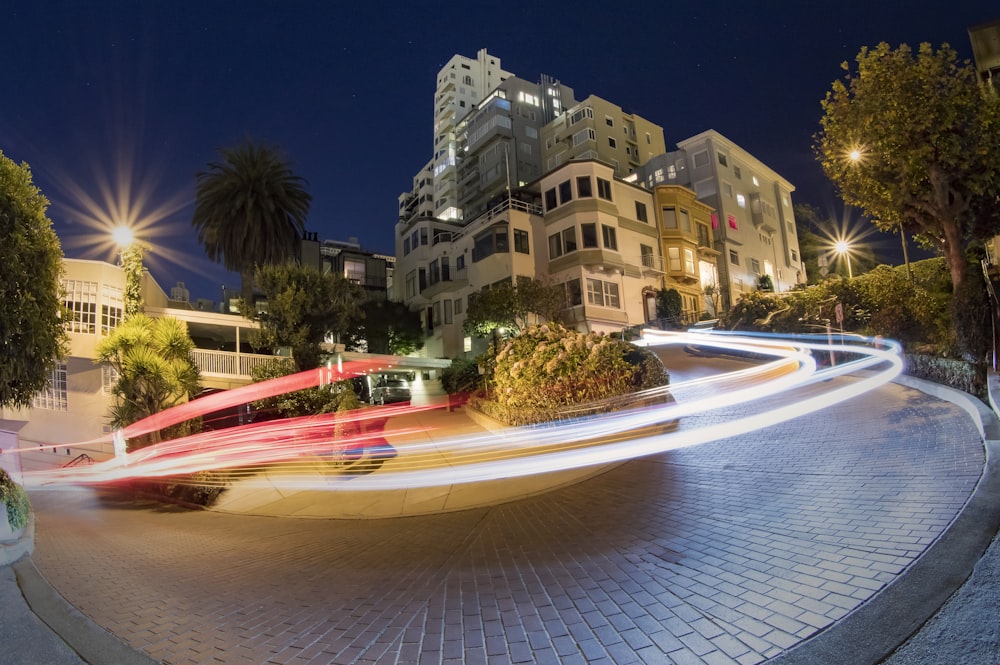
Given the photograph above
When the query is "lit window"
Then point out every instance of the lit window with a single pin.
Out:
(741, 201)
(81, 301)
(112, 308)
(755, 182)
(674, 256)
(689, 261)
(601, 293)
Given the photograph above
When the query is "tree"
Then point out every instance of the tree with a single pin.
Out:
(388, 327)
(32, 336)
(250, 210)
(152, 360)
(914, 141)
(506, 305)
(765, 283)
(669, 304)
(339, 396)
(303, 308)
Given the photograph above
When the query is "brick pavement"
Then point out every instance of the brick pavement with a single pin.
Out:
(728, 552)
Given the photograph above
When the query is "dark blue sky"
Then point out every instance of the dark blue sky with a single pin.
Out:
(117, 104)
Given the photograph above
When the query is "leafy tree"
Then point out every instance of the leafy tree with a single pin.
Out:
(388, 327)
(913, 141)
(303, 308)
(669, 304)
(507, 305)
(31, 327)
(152, 358)
(250, 210)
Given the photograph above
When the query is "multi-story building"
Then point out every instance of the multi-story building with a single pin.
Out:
(597, 129)
(985, 40)
(578, 227)
(499, 146)
(71, 416)
(753, 224)
(371, 271)
(688, 248)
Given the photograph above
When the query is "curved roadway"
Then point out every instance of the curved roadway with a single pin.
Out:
(728, 552)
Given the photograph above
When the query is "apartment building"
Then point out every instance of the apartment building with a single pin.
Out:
(71, 416)
(753, 226)
(598, 129)
(499, 145)
(578, 227)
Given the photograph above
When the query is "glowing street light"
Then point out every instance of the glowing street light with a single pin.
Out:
(842, 248)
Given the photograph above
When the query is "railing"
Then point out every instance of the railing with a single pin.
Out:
(230, 363)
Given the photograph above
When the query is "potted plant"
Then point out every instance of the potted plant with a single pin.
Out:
(14, 506)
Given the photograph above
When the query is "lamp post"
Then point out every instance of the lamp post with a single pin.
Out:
(130, 259)
(844, 249)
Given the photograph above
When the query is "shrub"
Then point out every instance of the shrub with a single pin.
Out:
(547, 369)
(16, 499)
(462, 376)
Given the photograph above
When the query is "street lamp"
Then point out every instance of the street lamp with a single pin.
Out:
(130, 259)
(844, 249)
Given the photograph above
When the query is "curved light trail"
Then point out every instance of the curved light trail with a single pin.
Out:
(785, 383)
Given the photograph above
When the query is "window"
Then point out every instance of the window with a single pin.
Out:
(689, 261)
(423, 236)
(604, 189)
(736, 172)
(435, 272)
(565, 192)
(685, 221)
(354, 271)
(669, 217)
(734, 258)
(701, 158)
(569, 239)
(447, 311)
(458, 305)
(649, 139)
(646, 256)
(755, 266)
(588, 235)
(741, 201)
(601, 293)
(112, 308)
(411, 284)
(574, 294)
(492, 241)
(704, 237)
(81, 301)
(610, 237)
(109, 377)
(612, 143)
(795, 256)
(727, 189)
(722, 160)
(530, 132)
(55, 397)
(550, 199)
(768, 268)
(583, 187)
(436, 320)
(674, 257)
(555, 246)
(640, 211)
(732, 223)
(791, 229)
(460, 262)
(755, 182)
(406, 245)
(609, 121)
(521, 241)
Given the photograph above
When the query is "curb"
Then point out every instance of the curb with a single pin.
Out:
(94, 644)
(877, 628)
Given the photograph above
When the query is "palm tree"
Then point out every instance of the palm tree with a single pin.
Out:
(250, 210)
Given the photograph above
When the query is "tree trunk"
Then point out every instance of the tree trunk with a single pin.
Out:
(954, 253)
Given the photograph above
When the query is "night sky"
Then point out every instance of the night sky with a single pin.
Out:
(116, 105)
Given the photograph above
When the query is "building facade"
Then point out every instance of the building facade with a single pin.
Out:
(753, 224)
(70, 417)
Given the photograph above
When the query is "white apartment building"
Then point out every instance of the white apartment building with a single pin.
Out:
(71, 416)
(753, 225)
(576, 227)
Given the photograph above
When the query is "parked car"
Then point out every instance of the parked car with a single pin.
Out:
(387, 391)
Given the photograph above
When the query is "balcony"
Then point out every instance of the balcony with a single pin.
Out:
(230, 364)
